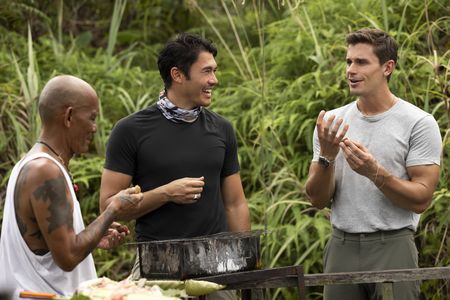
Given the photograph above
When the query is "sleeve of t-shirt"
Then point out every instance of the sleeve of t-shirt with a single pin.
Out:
(121, 149)
(425, 144)
(231, 162)
(316, 145)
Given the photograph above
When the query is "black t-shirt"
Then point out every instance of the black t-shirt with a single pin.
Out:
(156, 151)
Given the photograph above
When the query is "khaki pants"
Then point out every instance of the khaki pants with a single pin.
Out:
(383, 250)
(219, 295)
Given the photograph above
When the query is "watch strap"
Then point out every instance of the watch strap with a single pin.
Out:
(325, 161)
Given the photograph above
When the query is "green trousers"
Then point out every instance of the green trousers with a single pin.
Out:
(382, 250)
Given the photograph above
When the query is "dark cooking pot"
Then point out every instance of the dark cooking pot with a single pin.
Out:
(200, 256)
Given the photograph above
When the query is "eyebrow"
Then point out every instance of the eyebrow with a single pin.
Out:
(209, 68)
(358, 60)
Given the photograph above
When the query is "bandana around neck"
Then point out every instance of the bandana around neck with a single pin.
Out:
(174, 113)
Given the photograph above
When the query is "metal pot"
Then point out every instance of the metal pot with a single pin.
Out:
(200, 256)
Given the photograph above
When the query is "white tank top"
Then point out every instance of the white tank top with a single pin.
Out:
(20, 268)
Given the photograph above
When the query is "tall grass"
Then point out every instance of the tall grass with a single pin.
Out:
(306, 75)
(280, 63)
(23, 115)
(119, 8)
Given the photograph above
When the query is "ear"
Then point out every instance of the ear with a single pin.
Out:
(68, 116)
(389, 67)
(177, 75)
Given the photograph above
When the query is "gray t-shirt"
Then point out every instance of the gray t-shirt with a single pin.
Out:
(401, 137)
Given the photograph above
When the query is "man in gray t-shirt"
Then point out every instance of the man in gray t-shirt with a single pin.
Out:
(376, 162)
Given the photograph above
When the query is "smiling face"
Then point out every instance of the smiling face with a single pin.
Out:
(364, 73)
(197, 89)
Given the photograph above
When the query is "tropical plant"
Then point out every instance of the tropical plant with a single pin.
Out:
(280, 63)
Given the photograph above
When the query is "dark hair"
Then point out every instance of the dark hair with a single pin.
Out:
(384, 46)
(181, 53)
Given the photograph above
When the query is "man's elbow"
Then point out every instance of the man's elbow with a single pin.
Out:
(67, 264)
(68, 259)
(316, 201)
(422, 206)
(67, 268)
(319, 204)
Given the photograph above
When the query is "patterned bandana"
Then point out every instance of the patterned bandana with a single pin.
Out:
(174, 113)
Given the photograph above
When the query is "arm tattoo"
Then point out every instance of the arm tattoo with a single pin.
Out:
(61, 212)
(125, 198)
(93, 233)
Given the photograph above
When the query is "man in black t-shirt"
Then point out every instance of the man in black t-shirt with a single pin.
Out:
(182, 155)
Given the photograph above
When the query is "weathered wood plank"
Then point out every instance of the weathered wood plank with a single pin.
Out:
(252, 275)
(287, 277)
(388, 291)
(301, 283)
(378, 276)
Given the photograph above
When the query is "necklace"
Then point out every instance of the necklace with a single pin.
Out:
(75, 186)
(53, 150)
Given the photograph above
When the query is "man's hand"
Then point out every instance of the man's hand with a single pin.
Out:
(186, 190)
(114, 236)
(320, 186)
(124, 201)
(329, 135)
(415, 193)
(359, 158)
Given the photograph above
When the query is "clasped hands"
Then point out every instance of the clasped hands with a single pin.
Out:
(332, 139)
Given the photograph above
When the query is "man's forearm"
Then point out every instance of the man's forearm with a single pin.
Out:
(79, 246)
(320, 185)
(414, 194)
(89, 238)
(153, 200)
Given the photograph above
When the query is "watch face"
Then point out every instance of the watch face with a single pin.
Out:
(324, 162)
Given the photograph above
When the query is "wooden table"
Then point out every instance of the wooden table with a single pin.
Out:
(292, 276)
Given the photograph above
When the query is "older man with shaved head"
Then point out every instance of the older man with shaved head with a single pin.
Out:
(44, 246)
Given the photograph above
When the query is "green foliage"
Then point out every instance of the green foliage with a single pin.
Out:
(280, 63)
(433, 240)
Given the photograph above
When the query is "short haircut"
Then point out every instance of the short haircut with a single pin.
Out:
(384, 46)
(181, 53)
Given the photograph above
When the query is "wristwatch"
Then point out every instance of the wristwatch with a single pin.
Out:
(325, 162)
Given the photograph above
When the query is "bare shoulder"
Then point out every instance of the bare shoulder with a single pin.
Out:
(50, 196)
(44, 182)
(41, 202)
(34, 174)
(40, 169)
